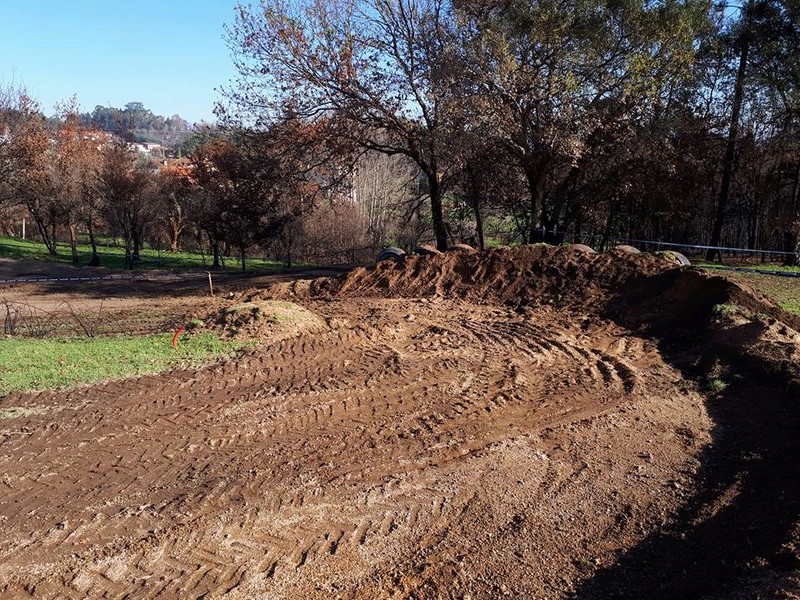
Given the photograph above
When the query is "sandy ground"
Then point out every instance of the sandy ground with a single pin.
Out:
(423, 437)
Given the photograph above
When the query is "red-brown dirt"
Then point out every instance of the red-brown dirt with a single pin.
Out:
(527, 423)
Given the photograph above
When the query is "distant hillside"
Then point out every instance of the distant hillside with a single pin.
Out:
(140, 124)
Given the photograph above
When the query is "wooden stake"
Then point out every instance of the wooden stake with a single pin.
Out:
(210, 285)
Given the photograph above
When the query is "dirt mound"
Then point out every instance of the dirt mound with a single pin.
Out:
(652, 288)
(260, 321)
(536, 274)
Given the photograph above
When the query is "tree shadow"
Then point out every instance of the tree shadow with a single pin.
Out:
(741, 523)
(159, 284)
(740, 519)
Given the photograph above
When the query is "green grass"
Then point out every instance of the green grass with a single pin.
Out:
(725, 310)
(791, 306)
(113, 257)
(717, 385)
(749, 266)
(27, 364)
(785, 291)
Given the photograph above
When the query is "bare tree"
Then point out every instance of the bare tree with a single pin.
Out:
(176, 194)
(384, 69)
(381, 190)
(128, 202)
(25, 158)
(74, 170)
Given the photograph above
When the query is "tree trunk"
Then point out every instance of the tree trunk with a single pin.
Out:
(176, 223)
(215, 250)
(128, 250)
(730, 147)
(48, 241)
(288, 243)
(535, 231)
(474, 200)
(752, 228)
(73, 242)
(532, 176)
(137, 246)
(242, 257)
(791, 239)
(53, 246)
(479, 224)
(437, 214)
(791, 244)
(175, 234)
(95, 261)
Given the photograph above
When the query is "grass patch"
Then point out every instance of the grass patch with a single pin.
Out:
(113, 257)
(27, 364)
(717, 385)
(725, 310)
(791, 306)
(750, 266)
(250, 308)
(785, 291)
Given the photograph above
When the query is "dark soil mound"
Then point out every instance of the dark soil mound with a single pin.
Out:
(537, 274)
(644, 290)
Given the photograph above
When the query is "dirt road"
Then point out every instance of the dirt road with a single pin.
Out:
(409, 447)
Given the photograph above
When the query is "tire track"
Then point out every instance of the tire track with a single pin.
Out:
(305, 453)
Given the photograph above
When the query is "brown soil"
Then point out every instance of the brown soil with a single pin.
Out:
(529, 423)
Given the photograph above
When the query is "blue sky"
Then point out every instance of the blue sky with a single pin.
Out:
(168, 54)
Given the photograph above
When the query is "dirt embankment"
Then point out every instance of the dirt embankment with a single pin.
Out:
(743, 519)
(529, 423)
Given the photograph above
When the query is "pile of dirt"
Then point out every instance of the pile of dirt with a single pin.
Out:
(266, 320)
(536, 274)
(565, 277)
(686, 309)
(648, 293)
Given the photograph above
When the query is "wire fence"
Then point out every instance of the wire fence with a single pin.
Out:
(654, 246)
(752, 260)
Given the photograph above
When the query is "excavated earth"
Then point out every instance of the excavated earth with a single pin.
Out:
(527, 423)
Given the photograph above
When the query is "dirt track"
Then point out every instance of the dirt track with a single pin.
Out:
(423, 447)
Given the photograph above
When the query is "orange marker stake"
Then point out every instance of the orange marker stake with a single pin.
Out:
(175, 337)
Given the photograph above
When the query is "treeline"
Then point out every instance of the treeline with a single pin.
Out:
(357, 124)
(67, 177)
(139, 124)
(280, 190)
(673, 120)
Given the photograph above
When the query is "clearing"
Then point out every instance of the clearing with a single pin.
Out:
(533, 423)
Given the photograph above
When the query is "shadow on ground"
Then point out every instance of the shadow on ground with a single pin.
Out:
(738, 536)
(158, 284)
